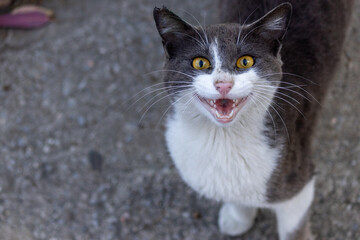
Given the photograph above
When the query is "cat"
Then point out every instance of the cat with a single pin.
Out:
(245, 101)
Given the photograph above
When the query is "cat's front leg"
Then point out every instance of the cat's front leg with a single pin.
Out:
(292, 215)
(236, 219)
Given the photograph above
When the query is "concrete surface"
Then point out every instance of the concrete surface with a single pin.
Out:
(77, 164)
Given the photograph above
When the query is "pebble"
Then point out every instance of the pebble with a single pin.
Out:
(81, 121)
(129, 138)
(82, 85)
(67, 87)
(116, 68)
(355, 227)
(96, 160)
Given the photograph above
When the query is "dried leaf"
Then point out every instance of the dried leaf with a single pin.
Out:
(33, 8)
(24, 20)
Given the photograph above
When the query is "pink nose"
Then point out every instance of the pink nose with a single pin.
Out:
(223, 87)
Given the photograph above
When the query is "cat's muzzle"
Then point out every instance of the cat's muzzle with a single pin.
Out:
(224, 110)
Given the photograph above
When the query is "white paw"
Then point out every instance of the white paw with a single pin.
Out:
(235, 220)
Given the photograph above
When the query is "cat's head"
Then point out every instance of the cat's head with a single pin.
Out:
(223, 71)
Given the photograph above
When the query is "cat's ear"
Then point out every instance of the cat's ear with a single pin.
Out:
(171, 27)
(274, 24)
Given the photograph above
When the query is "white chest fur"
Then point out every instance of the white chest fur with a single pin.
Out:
(222, 163)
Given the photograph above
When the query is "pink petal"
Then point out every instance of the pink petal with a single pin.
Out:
(23, 20)
(33, 8)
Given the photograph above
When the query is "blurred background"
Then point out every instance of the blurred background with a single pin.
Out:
(76, 162)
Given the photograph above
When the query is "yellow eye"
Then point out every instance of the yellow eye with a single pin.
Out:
(200, 63)
(245, 62)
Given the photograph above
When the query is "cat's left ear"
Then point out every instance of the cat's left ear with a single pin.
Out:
(169, 23)
(172, 29)
(274, 24)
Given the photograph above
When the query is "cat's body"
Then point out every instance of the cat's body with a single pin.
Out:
(241, 134)
(311, 49)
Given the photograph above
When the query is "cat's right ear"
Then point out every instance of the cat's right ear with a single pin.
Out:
(171, 27)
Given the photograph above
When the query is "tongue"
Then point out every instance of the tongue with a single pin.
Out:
(224, 106)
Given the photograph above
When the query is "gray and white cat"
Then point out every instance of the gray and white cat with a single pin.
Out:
(245, 99)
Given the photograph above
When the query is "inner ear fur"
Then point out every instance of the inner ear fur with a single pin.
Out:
(274, 24)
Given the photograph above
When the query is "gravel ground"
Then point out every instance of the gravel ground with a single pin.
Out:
(77, 162)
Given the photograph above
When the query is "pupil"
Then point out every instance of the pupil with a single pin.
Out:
(245, 62)
(201, 63)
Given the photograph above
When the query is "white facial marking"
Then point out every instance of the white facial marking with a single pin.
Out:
(214, 50)
(204, 83)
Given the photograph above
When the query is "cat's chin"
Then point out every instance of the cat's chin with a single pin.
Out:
(223, 110)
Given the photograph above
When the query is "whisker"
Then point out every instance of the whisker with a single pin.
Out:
(152, 86)
(203, 30)
(142, 116)
(172, 94)
(172, 104)
(268, 99)
(154, 97)
(159, 89)
(204, 23)
(157, 84)
(243, 39)
(169, 70)
(187, 104)
(291, 74)
(193, 27)
(201, 44)
(302, 77)
(242, 26)
(282, 120)
(285, 101)
(291, 85)
(284, 82)
(283, 94)
(300, 87)
(268, 112)
(285, 89)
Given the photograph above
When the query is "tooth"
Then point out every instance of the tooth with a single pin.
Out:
(231, 114)
(217, 114)
(233, 104)
(212, 103)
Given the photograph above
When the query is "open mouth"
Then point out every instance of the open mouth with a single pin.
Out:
(224, 110)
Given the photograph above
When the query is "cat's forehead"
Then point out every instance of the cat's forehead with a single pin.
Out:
(224, 33)
(223, 30)
(232, 37)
